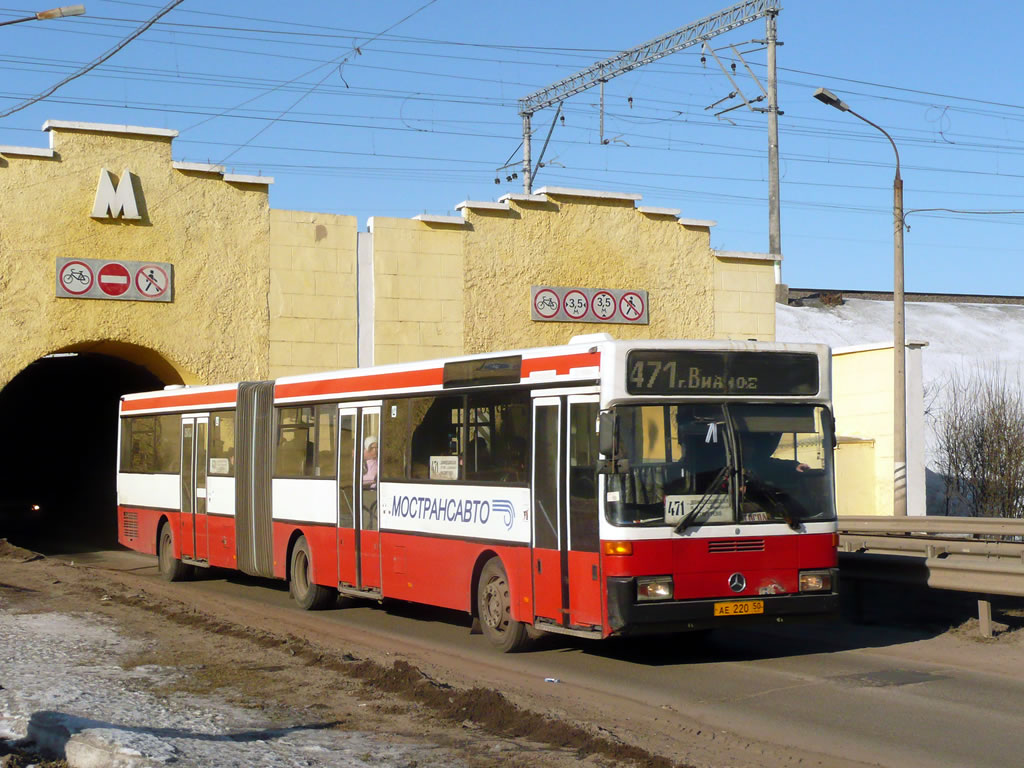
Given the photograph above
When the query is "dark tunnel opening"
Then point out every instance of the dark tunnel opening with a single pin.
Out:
(60, 450)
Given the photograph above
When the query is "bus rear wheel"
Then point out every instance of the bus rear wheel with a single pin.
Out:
(494, 607)
(171, 568)
(307, 595)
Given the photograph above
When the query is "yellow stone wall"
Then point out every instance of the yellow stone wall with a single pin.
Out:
(215, 234)
(587, 242)
(313, 314)
(744, 298)
(264, 293)
(418, 290)
(862, 393)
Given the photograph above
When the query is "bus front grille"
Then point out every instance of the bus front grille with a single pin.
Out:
(723, 546)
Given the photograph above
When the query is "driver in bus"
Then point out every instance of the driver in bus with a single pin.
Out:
(759, 456)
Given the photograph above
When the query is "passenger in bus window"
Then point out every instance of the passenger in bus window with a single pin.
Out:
(370, 462)
(512, 459)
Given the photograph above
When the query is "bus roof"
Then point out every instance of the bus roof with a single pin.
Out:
(578, 362)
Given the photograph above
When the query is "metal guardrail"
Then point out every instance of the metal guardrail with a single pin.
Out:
(968, 554)
(974, 526)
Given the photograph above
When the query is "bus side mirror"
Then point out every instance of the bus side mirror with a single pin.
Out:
(606, 433)
(608, 445)
(829, 417)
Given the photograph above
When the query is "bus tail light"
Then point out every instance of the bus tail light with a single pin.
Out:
(618, 548)
(815, 581)
(653, 588)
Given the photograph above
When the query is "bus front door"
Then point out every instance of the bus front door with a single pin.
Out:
(583, 566)
(359, 561)
(565, 562)
(193, 529)
(548, 513)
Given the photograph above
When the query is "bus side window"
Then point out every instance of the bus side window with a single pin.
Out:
(417, 430)
(222, 443)
(151, 444)
(393, 450)
(435, 434)
(305, 441)
(499, 437)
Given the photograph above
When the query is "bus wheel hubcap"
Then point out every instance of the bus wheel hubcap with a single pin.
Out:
(495, 604)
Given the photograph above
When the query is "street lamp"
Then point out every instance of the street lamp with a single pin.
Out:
(898, 326)
(53, 13)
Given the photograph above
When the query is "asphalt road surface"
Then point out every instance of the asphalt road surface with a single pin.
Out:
(850, 693)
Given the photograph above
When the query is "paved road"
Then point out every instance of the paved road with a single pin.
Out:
(873, 694)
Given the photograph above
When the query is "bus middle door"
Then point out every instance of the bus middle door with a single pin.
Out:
(193, 520)
(359, 563)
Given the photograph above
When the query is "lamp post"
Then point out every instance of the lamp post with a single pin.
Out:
(898, 324)
(53, 13)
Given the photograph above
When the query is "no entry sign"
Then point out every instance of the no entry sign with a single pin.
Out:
(114, 279)
(121, 280)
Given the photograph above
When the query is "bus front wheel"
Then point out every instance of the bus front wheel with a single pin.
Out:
(494, 607)
(307, 595)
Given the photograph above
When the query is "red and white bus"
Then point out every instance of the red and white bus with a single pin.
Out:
(594, 489)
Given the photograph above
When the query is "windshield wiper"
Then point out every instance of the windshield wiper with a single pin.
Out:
(705, 498)
(773, 501)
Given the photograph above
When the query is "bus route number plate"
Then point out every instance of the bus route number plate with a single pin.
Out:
(739, 608)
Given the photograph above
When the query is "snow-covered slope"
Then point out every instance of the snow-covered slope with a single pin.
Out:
(962, 338)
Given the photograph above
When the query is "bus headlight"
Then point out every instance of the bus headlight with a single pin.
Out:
(653, 588)
(815, 581)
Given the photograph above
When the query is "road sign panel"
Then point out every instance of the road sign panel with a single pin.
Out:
(588, 305)
(120, 280)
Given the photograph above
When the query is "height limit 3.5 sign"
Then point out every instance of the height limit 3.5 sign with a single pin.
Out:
(120, 280)
(588, 305)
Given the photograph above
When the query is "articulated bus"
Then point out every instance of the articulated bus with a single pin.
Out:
(594, 489)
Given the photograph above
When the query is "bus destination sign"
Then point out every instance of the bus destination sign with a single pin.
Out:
(690, 372)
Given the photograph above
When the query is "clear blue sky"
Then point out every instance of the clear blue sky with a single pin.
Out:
(420, 117)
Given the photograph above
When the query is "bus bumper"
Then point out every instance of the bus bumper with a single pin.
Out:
(626, 616)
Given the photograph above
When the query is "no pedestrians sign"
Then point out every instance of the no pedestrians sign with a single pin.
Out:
(120, 280)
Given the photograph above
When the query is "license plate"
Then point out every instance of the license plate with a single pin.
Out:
(739, 608)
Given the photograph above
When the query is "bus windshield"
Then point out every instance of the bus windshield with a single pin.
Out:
(693, 464)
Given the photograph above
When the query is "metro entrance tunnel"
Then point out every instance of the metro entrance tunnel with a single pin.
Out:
(60, 449)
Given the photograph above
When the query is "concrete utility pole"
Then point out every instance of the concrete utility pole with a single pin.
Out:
(774, 215)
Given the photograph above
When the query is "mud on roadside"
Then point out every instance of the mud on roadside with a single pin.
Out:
(280, 674)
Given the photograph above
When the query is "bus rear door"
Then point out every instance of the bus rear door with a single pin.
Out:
(358, 519)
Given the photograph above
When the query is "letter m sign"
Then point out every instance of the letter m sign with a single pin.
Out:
(115, 200)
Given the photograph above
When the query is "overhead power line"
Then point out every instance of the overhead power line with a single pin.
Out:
(95, 62)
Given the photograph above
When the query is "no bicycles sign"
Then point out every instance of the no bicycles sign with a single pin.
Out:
(588, 305)
(121, 280)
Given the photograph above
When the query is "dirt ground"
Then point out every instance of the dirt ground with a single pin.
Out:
(283, 673)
